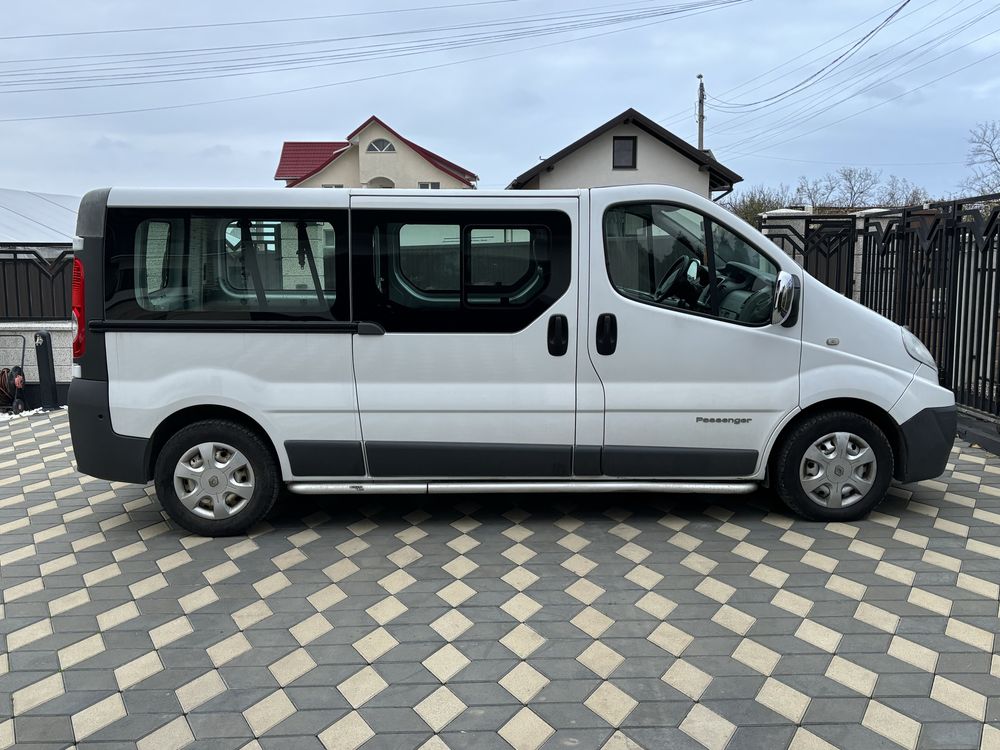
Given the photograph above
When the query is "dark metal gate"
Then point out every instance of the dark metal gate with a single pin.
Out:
(35, 284)
(823, 245)
(936, 270)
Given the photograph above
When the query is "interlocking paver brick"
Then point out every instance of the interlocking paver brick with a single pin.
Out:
(606, 622)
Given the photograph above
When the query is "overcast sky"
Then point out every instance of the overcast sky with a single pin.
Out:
(494, 116)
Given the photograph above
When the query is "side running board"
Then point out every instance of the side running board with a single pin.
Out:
(452, 488)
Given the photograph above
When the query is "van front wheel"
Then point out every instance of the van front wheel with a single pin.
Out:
(216, 478)
(835, 466)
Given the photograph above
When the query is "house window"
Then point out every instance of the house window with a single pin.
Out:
(381, 146)
(429, 185)
(623, 152)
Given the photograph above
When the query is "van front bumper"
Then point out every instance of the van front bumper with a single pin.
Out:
(99, 450)
(928, 437)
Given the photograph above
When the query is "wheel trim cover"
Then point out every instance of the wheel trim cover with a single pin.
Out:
(213, 480)
(838, 470)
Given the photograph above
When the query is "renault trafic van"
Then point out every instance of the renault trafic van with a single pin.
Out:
(230, 343)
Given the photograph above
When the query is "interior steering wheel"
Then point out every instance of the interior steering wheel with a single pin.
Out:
(670, 279)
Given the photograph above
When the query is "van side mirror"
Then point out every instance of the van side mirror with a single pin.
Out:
(786, 298)
(692, 270)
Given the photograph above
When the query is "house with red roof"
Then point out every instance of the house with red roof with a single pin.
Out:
(372, 156)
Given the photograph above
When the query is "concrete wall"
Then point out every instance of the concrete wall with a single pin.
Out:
(590, 166)
(62, 347)
(356, 168)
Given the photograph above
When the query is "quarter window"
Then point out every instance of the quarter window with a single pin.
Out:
(216, 266)
(459, 271)
(673, 257)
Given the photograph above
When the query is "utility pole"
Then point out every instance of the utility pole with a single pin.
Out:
(701, 112)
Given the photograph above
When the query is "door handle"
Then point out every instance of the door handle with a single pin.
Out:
(607, 333)
(558, 335)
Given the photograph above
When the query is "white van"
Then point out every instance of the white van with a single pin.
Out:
(231, 343)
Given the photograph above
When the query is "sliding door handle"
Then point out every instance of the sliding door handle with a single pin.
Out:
(607, 333)
(558, 335)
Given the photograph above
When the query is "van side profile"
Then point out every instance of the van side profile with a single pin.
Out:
(232, 343)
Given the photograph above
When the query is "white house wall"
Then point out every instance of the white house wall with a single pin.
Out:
(341, 171)
(590, 166)
(406, 168)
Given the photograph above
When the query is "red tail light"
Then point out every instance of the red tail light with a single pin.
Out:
(79, 318)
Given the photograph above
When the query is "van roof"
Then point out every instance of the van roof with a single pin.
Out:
(305, 198)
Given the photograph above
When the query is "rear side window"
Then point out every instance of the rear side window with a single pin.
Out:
(449, 271)
(227, 266)
(430, 256)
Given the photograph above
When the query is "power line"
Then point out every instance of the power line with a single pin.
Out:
(849, 164)
(769, 133)
(221, 24)
(819, 75)
(889, 100)
(761, 80)
(244, 48)
(363, 79)
(821, 96)
(201, 71)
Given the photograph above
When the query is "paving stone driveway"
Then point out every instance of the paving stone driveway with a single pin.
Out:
(557, 622)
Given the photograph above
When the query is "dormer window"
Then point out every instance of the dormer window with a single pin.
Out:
(381, 146)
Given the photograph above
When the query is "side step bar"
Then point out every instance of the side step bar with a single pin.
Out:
(453, 488)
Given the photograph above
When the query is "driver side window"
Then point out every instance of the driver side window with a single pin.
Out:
(670, 256)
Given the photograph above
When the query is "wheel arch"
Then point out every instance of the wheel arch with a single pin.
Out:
(882, 419)
(191, 414)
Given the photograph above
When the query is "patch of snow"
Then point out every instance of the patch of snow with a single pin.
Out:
(10, 416)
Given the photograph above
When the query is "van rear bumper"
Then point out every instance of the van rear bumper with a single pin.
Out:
(928, 437)
(99, 450)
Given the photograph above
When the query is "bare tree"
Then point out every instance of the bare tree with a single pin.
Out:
(817, 192)
(898, 191)
(856, 186)
(750, 202)
(984, 158)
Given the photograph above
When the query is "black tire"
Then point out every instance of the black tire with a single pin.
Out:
(266, 477)
(788, 462)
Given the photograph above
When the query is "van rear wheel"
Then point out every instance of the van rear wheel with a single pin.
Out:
(216, 478)
(835, 466)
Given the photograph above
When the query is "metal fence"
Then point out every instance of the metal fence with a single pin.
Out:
(936, 269)
(35, 283)
(823, 245)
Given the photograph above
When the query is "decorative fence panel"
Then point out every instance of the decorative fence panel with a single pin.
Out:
(823, 245)
(936, 270)
(35, 284)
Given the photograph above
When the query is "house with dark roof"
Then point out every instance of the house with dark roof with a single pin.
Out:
(630, 149)
(372, 156)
